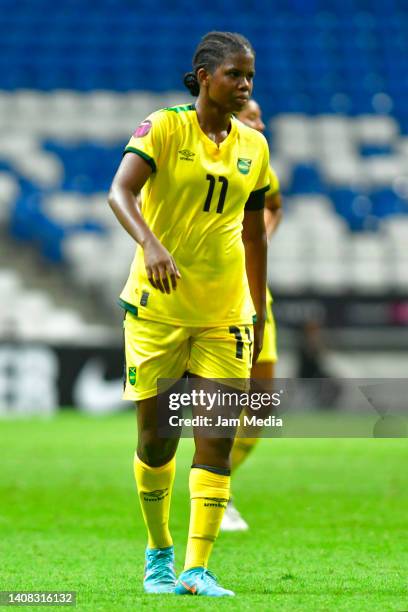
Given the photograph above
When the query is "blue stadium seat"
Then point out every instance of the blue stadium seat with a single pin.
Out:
(306, 179)
(346, 205)
(387, 203)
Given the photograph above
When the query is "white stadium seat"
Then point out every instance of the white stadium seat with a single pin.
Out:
(367, 247)
(41, 167)
(86, 253)
(376, 129)
(10, 285)
(67, 208)
(342, 170)
(292, 137)
(30, 103)
(382, 170)
(396, 230)
(288, 276)
(288, 240)
(35, 302)
(369, 276)
(328, 276)
(283, 169)
(311, 206)
(333, 127)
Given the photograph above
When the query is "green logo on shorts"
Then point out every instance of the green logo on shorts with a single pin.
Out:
(132, 375)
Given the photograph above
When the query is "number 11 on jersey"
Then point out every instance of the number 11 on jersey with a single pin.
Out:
(223, 193)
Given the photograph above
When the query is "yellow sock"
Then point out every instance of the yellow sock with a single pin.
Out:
(242, 446)
(154, 485)
(209, 493)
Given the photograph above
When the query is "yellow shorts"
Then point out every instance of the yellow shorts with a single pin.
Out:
(157, 350)
(269, 350)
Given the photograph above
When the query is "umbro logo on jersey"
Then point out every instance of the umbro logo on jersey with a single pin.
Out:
(186, 155)
(244, 165)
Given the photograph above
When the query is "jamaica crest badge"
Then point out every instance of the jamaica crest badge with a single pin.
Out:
(244, 165)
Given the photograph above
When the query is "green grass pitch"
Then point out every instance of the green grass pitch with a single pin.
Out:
(328, 520)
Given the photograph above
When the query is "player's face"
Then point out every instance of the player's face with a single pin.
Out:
(252, 116)
(230, 85)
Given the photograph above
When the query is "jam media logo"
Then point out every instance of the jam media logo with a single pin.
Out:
(132, 375)
(186, 155)
(143, 129)
(244, 165)
(156, 495)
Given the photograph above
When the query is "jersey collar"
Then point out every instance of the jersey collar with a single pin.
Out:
(210, 143)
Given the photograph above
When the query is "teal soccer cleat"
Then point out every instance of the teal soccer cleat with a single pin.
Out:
(200, 581)
(160, 576)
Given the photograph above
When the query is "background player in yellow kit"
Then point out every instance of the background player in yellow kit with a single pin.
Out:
(195, 285)
(264, 368)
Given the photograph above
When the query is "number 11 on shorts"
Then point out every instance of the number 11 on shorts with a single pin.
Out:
(239, 350)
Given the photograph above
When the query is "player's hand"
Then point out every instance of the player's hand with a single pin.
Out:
(160, 266)
(259, 327)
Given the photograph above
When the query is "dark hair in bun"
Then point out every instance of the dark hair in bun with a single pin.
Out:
(212, 51)
(191, 82)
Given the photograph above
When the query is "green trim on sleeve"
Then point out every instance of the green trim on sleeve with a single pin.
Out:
(143, 155)
(128, 307)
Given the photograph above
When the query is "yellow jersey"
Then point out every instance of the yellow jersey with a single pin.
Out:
(194, 203)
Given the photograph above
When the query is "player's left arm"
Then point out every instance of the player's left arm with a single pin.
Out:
(272, 213)
(255, 243)
(273, 204)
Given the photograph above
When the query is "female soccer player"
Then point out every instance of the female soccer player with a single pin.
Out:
(264, 368)
(190, 306)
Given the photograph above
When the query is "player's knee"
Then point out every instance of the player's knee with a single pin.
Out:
(155, 452)
(215, 449)
(262, 413)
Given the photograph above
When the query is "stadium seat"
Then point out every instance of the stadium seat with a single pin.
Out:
(288, 277)
(376, 130)
(366, 247)
(369, 277)
(84, 252)
(328, 276)
(10, 285)
(306, 179)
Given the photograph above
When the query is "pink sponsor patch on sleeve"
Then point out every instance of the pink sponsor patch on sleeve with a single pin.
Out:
(143, 129)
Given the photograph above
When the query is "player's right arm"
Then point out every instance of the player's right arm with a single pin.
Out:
(132, 174)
